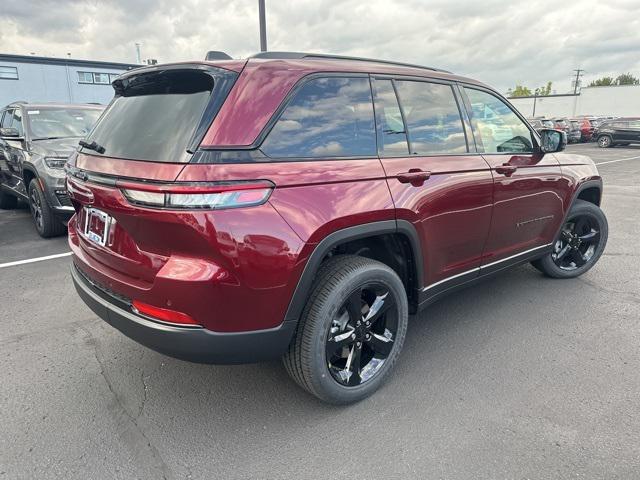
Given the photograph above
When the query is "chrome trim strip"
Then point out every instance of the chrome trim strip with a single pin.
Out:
(516, 255)
(482, 267)
(451, 278)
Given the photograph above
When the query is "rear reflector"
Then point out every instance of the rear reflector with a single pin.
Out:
(197, 195)
(163, 314)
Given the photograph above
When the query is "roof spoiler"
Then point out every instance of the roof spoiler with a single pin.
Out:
(216, 55)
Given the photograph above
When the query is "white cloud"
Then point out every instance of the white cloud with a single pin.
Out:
(500, 42)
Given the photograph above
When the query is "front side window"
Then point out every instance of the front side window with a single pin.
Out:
(7, 119)
(17, 122)
(327, 117)
(433, 118)
(497, 128)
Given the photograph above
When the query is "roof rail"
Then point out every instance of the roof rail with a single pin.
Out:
(302, 55)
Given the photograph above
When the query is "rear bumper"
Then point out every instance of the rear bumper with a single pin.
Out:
(186, 343)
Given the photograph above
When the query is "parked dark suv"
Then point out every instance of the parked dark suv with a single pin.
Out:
(621, 131)
(302, 206)
(35, 141)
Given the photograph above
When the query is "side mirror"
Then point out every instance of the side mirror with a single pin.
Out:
(10, 133)
(552, 140)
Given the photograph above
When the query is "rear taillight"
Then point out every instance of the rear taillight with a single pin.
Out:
(163, 314)
(210, 196)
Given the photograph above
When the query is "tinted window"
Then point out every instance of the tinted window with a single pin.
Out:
(432, 117)
(497, 128)
(327, 117)
(154, 116)
(61, 122)
(7, 119)
(17, 121)
(393, 135)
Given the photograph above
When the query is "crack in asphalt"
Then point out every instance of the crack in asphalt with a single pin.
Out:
(135, 437)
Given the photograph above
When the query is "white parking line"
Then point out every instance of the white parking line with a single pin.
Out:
(618, 160)
(32, 260)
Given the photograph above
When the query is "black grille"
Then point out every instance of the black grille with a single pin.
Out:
(64, 200)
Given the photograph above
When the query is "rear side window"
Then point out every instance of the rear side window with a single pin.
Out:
(432, 117)
(393, 140)
(327, 117)
(154, 116)
(497, 128)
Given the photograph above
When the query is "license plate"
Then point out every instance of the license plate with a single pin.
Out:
(96, 225)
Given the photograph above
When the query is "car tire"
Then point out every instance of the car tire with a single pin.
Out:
(46, 223)
(580, 243)
(8, 201)
(605, 141)
(332, 332)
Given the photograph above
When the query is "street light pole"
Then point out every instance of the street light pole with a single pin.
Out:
(263, 26)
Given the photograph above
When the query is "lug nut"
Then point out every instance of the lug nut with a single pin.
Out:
(367, 336)
(358, 344)
(353, 336)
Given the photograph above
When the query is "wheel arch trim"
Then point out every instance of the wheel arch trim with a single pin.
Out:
(586, 184)
(356, 232)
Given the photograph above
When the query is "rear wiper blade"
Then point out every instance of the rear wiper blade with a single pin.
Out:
(92, 146)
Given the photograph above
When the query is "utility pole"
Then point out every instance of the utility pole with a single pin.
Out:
(138, 55)
(579, 73)
(263, 26)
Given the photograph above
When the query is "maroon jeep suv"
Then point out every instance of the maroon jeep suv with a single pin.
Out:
(302, 206)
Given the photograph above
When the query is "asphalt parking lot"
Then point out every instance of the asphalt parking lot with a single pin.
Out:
(520, 377)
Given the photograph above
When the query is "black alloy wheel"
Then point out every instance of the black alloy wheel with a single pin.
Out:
(361, 335)
(35, 205)
(351, 330)
(47, 224)
(578, 242)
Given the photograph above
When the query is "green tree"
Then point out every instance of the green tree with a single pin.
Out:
(603, 82)
(519, 91)
(627, 79)
(543, 91)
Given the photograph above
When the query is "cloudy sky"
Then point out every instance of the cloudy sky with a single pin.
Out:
(501, 42)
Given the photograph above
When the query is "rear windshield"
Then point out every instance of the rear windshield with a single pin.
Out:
(46, 123)
(154, 116)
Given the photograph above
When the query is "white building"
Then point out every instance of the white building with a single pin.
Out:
(618, 101)
(66, 80)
